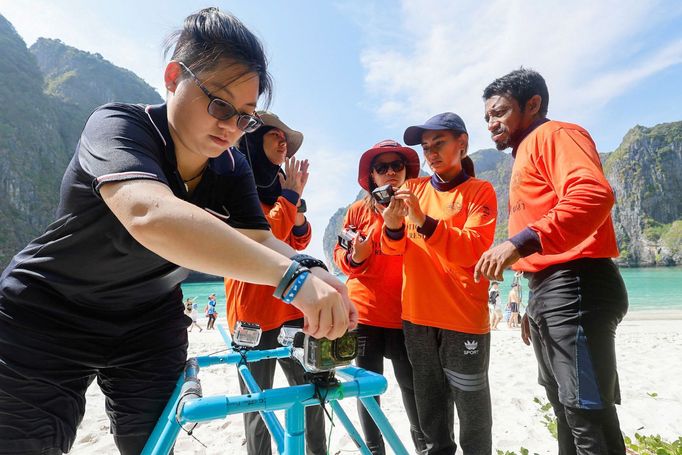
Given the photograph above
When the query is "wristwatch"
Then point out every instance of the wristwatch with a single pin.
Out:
(302, 208)
(308, 261)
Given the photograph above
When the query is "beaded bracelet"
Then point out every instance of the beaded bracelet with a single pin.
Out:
(286, 279)
(298, 284)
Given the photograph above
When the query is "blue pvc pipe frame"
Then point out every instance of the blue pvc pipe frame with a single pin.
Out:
(186, 406)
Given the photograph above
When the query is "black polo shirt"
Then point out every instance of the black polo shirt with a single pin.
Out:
(86, 261)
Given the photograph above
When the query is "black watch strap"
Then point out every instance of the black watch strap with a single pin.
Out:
(302, 208)
(308, 261)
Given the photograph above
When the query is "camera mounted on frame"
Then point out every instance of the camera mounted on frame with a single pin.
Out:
(246, 335)
(319, 355)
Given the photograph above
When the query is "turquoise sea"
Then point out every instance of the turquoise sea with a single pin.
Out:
(658, 289)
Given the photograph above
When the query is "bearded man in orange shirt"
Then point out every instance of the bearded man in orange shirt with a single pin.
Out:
(562, 238)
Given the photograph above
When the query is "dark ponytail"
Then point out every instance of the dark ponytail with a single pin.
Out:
(468, 166)
(211, 37)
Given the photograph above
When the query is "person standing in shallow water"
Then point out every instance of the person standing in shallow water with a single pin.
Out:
(375, 283)
(441, 225)
(150, 192)
(279, 192)
(562, 239)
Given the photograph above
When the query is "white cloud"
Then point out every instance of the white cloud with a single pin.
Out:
(590, 53)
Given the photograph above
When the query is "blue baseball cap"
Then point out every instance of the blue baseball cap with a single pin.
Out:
(444, 121)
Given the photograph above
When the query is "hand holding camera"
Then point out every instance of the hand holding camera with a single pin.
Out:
(361, 247)
(412, 210)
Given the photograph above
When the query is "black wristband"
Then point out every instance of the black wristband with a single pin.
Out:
(302, 208)
(308, 261)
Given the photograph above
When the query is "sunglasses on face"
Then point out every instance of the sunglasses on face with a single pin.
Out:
(222, 110)
(396, 166)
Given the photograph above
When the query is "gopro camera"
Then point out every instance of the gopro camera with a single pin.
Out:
(383, 194)
(246, 334)
(346, 237)
(286, 335)
(319, 355)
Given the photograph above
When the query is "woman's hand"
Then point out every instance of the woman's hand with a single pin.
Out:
(296, 175)
(326, 307)
(362, 248)
(394, 214)
(414, 212)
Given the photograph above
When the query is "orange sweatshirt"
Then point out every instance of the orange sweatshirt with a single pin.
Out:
(374, 285)
(253, 302)
(559, 191)
(438, 270)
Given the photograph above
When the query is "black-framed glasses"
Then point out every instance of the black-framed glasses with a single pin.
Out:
(222, 110)
(396, 166)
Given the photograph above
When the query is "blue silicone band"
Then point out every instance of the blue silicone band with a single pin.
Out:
(298, 284)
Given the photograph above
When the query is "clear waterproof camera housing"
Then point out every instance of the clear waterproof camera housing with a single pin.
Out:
(246, 334)
(383, 194)
(346, 237)
(318, 355)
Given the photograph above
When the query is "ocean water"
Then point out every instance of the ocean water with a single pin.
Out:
(658, 288)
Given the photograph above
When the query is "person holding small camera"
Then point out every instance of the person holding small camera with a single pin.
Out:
(279, 191)
(441, 225)
(375, 280)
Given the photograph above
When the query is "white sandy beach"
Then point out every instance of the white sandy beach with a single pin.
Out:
(649, 347)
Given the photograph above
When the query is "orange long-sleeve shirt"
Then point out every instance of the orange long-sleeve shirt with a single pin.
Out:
(558, 189)
(253, 302)
(375, 285)
(438, 271)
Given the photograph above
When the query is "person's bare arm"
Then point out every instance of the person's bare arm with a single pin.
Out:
(188, 236)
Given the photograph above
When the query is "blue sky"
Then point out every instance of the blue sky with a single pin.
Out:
(351, 73)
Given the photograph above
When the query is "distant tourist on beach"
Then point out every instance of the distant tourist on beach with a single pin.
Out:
(280, 193)
(516, 281)
(211, 312)
(494, 302)
(375, 282)
(150, 192)
(562, 238)
(513, 305)
(192, 311)
(441, 225)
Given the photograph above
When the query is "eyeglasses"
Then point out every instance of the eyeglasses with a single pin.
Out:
(396, 166)
(222, 110)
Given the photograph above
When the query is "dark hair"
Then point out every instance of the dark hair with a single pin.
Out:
(521, 84)
(210, 36)
(468, 166)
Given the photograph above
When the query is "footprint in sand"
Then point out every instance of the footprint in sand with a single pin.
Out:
(88, 439)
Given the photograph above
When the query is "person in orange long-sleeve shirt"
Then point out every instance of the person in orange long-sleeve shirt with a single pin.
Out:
(562, 238)
(267, 149)
(375, 282)
(450, 222)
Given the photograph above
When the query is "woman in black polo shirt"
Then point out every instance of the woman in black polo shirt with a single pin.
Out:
(150, 191)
